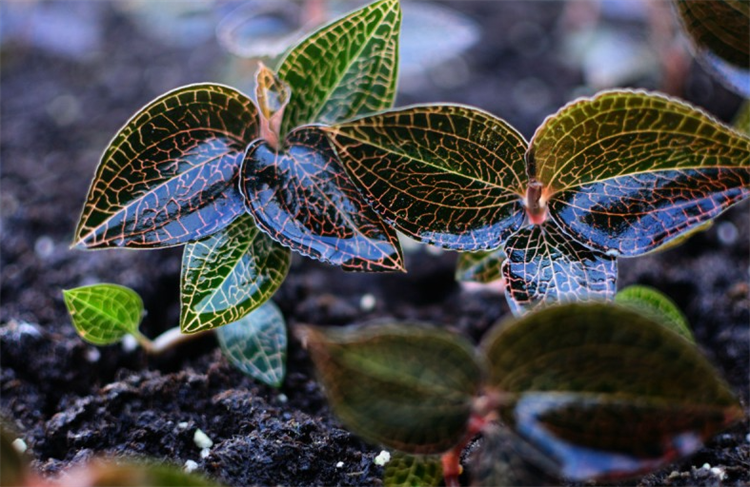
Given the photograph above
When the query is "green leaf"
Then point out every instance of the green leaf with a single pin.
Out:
(104, 313)
(408, 387)
(625, 172)
(406, 470)
(256, 344)
(344, 69)
(483, 266)
(228, 275)
(170, 174)
(742, 118)
(106, 473)
(13, 466)
(448, 175)
(603, 391)
(302, 198)
(544, 266)
(656, 306)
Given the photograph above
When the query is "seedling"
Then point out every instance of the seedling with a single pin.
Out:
(618, 174)
(588, 391)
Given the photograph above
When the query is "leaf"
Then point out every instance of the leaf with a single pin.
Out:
(302, 198)
(656, 306)
(228, 275)
(625, 172)
(603, 391)
(256, 344)
(447, 175)
(344, 69)
(131, 473)
(170, 174)
(482, 266)
(406, 470)
(741, 120)
(272, 96)
(544, 266)
(720, 33)
(104, 313)
(386, 383)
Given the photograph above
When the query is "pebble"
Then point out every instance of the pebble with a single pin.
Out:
(129, 343)
(19, 445)
(190, 466)
(282, 398)
(182, 425)
(340, 465)
(205, 453)
(93, 355)
(202, 440)
(727, 233)
(382, 458)
(367, 302)
(719, 472)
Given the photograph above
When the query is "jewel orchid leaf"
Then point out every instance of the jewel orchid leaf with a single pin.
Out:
(544, 266)
(483, 266)
(104, 313)
(169, 176)
(302, 198)
(657, 306)
(256, 344)
(228, 275)
(404, 470)
(272, 96)
(605, 392)
(344, 69)
(385, 384)
(447, 175)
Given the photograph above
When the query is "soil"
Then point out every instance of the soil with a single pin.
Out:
(71, 401)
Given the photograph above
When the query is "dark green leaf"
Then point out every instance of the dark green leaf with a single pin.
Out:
(104, 313)
(544, 266)
(604, 391)
(741, 120)
(106, 473)
(406, 470)
(346, 68)
(448, 175)
(625, 172)
(256, 344)
(408, 387)
(482, 266)
(170, 175)
(303, 199)
(13, 467)
(657, 306)
(229, 274)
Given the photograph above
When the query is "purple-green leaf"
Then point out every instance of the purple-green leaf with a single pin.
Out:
(483, 266)
(169, 176)
(448, 175)
(603, 391)
(228, 275)
(303, 199)
(407, 387)
(404, 470)
(544, 266)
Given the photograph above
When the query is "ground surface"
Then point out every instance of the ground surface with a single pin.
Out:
(70, 400)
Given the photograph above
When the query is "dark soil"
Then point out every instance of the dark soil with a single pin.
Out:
(71, 401)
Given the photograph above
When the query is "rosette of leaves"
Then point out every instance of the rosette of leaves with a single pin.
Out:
(240, 181)
(618, 174)
(582, 391)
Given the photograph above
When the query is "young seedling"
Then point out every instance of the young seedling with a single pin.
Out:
(104, 314)
(618, 174)
(240, 181)
(589, 391)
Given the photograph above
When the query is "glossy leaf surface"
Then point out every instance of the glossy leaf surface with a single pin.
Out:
(104, 313)
(447, 175)
(625, 172)
(483, 266)
(406, 470)
(544, 266)
(657, 306)
(407, 387)
(346, 68)
(604, 391)
(256, 344)
(303, 199)
(229, 274)
(170, 175)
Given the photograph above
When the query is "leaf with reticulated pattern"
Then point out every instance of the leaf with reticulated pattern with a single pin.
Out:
(169, 176)
(544, 266)
(256, 344)
(407, 387)
(657, 306)
(447, 175)
(228, 275)
(625, 172)
(603, 391)
(344, 69)
(404, 470)
(303, 199)
(104, 313)
(483, 266)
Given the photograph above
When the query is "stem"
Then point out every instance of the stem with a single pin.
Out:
(535, 207)
(167, 340)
